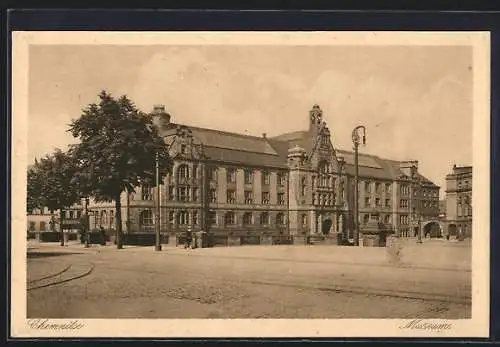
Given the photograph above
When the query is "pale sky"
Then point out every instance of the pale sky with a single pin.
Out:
(415, 101)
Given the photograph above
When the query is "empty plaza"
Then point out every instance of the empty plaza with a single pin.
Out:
(429, 280)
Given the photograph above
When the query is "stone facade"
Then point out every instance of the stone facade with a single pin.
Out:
(292, 184)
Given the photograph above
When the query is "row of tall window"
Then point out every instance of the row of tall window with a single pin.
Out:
(387, 219)
(325, 199)
(378, 187)
(183, 217)
(378, 202)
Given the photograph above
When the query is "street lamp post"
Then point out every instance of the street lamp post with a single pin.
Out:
(157, 217)
(341, 163)
(356, 142)
(415, 216)
(87, 223)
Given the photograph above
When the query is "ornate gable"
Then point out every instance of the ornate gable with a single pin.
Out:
(322, 148)
(184, 145)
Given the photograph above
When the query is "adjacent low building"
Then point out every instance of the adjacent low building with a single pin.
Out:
(296, 184)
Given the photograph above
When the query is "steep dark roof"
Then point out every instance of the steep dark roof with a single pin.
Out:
(261, 151)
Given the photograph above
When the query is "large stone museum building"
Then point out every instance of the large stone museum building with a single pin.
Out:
(293, 184)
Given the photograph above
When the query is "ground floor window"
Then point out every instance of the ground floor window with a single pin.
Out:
(280, 219)
(146, 220)
(182, 218)
(229, 218)
(264, 218)
(247, 218)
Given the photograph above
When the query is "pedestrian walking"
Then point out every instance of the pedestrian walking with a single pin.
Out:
(189, 239)
(103, 236)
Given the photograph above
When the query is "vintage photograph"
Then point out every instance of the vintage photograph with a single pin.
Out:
(237, 177)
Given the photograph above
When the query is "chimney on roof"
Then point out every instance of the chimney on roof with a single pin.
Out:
(408, 167)
(160, 117)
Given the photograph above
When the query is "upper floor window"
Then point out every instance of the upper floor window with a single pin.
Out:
(387, 202)
(248, 197)
(183, 194)
(387, 219)
(146, 192)
(265, 198)
(324, 141)
(248, 176)
(366, 218)
(367, 202)
(231, 175)
(183, 149)
(231, 196)
(388, 187)
(377, 187)
(404, 189)
(266, 177)
(281, 198)
(303, 184)
(212, 173)
(281, 178)
(183, 171)
(367, 187)
(213, 195)
(304, 220)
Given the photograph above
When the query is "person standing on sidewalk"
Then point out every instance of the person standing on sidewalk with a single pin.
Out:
(103, 236)
(189, 238)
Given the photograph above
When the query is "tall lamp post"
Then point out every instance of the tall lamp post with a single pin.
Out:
(341, 163)
(157, 216)
(356, 142)
(416, 218)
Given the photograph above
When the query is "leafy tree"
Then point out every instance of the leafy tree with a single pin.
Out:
(117, 150)
(52, 179)
(34, 185)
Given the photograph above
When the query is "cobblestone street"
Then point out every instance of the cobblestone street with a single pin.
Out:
(247, 282)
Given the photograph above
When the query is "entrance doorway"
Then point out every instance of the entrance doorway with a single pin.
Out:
(432, 230)
(325, 226)
(452, 230)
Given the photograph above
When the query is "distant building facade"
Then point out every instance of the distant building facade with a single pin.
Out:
(294, 184)
(459, 201)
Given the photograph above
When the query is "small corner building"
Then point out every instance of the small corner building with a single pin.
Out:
(293, 185)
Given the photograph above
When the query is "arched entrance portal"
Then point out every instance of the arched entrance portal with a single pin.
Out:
(452, 230)
(325, 226)
(432, 230)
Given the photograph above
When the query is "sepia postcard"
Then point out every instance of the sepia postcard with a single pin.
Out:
(250, 184)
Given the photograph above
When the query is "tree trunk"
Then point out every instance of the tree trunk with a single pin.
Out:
(61, 220)
(118, 206)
